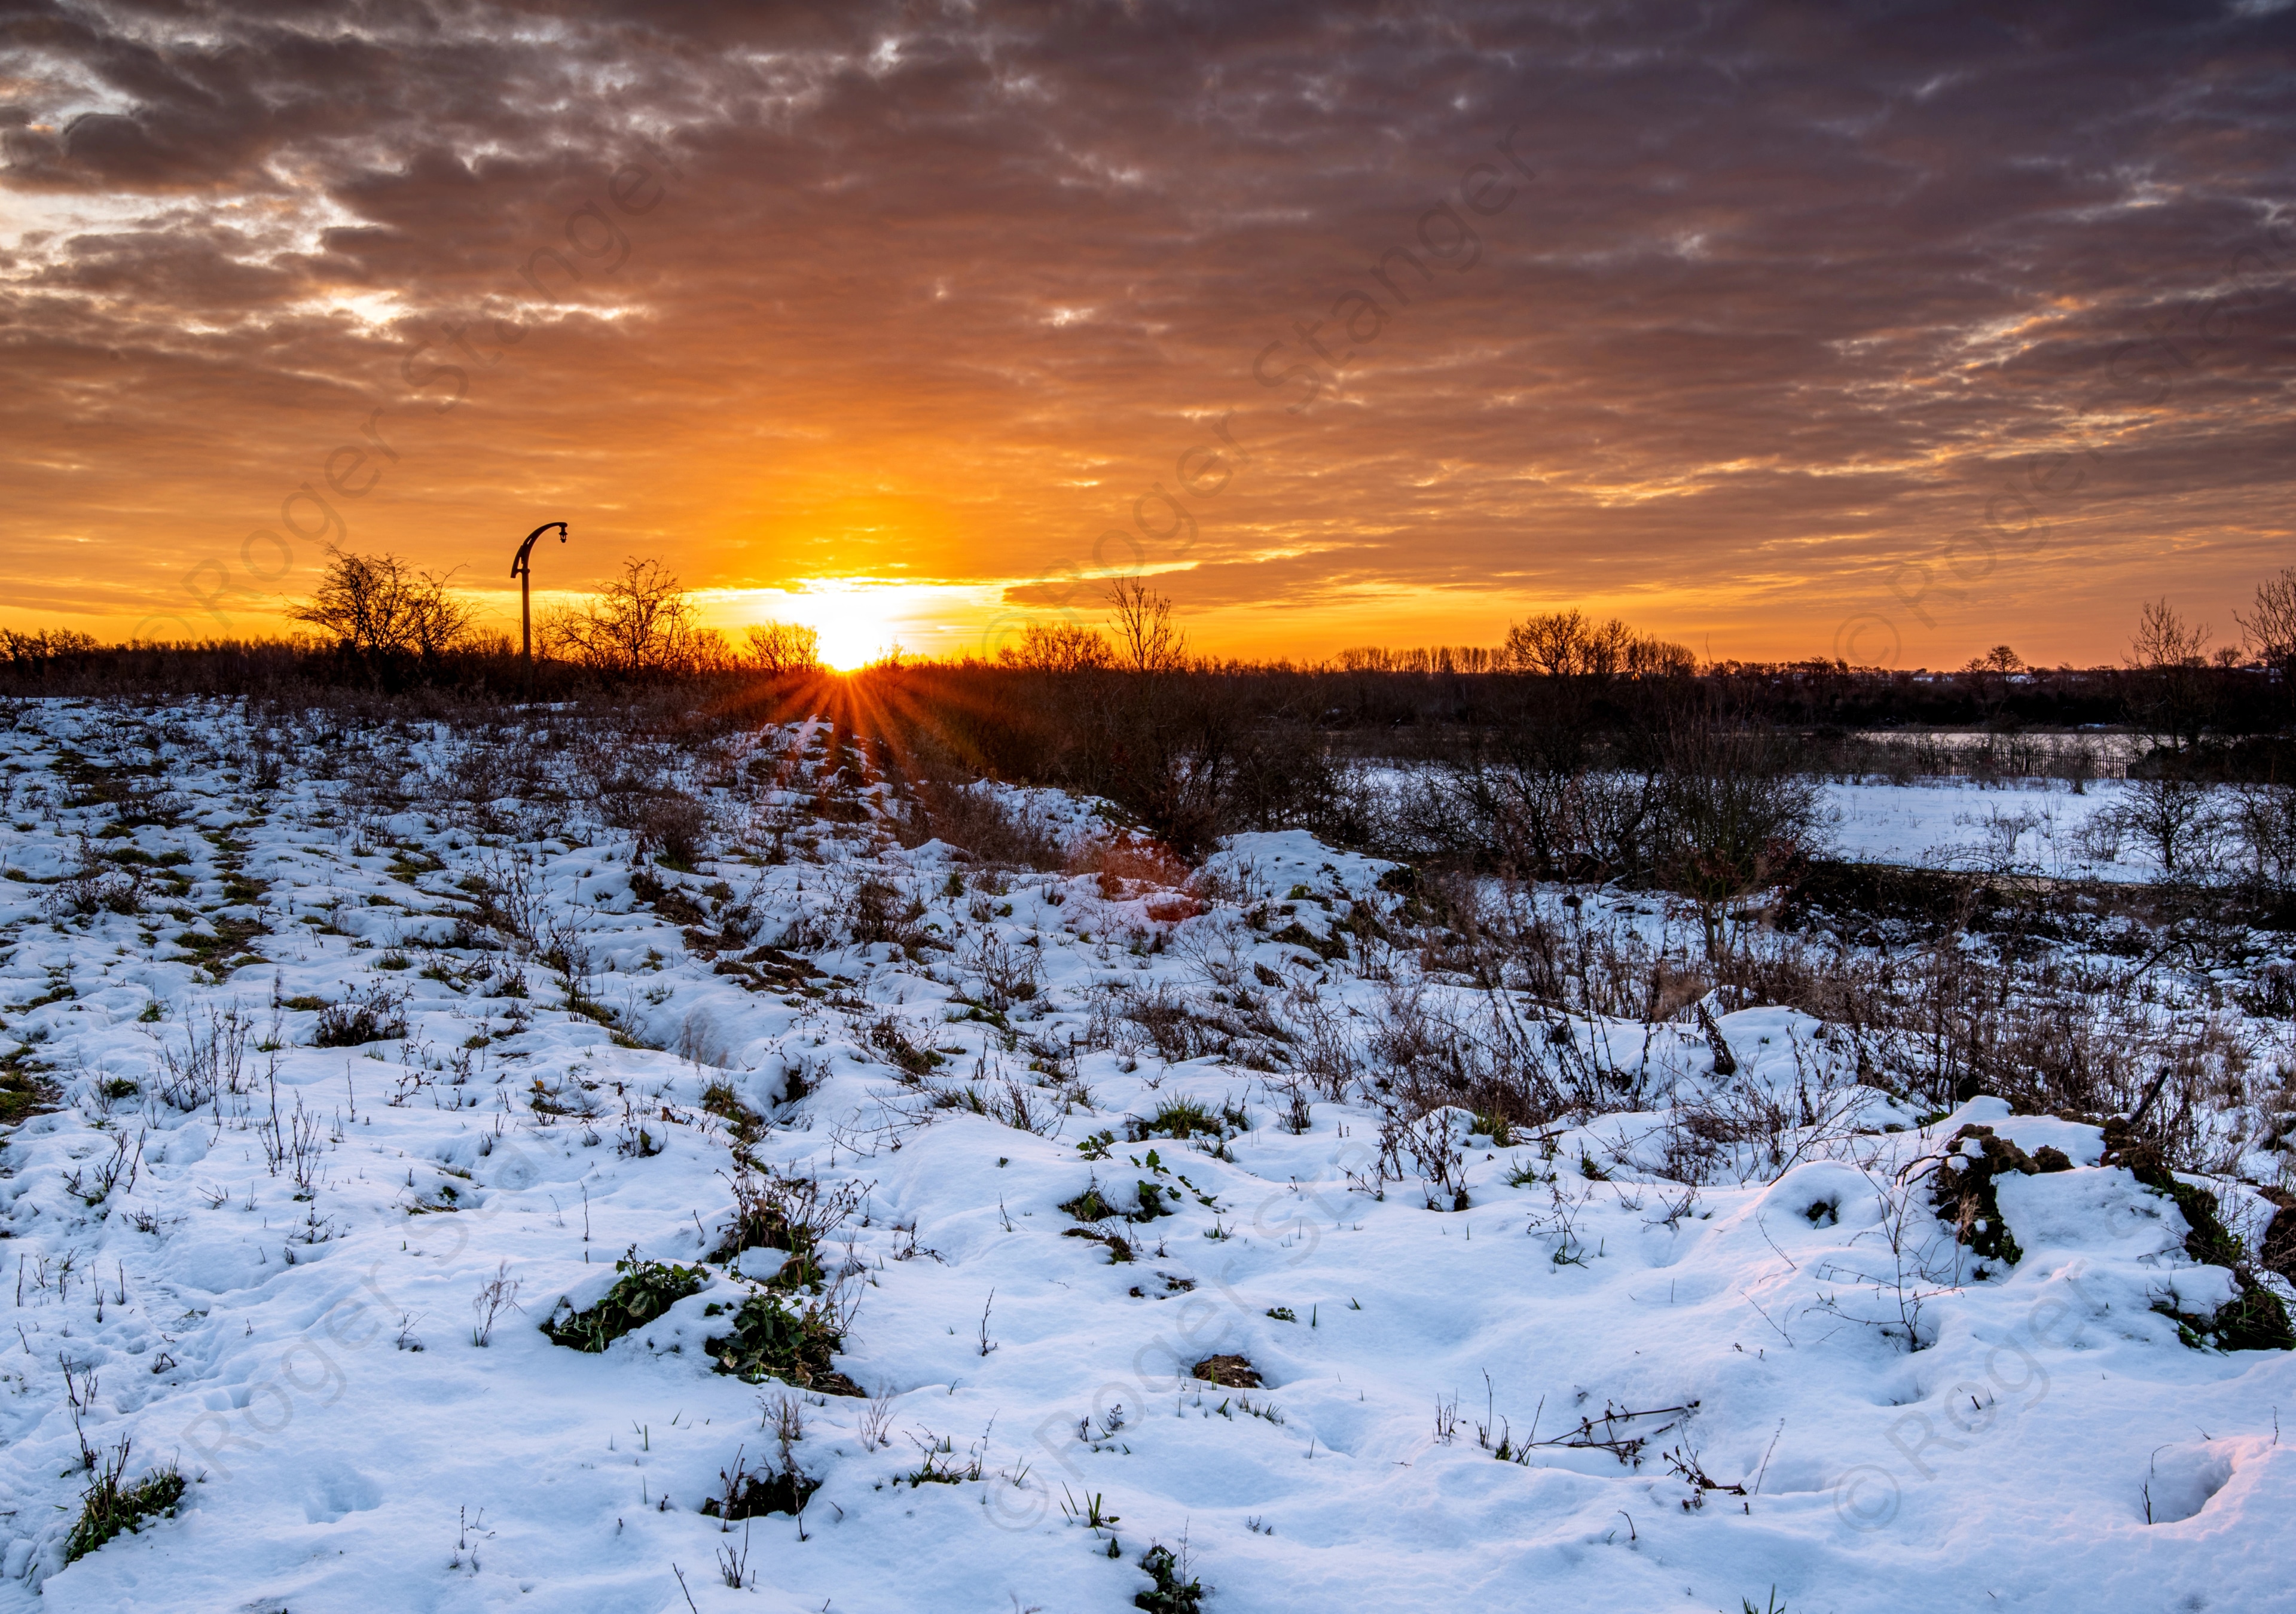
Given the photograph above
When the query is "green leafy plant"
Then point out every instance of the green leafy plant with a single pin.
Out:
(647, 1290)
(1176, 1591)
(769, 1341)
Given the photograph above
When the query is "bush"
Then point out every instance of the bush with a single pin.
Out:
(650, 1289)
(373, 1016)
(2177, 819)
(673, 825)
(973, 819)
(1738, 817)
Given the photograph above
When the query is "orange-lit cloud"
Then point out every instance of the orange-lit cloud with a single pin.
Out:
(1814, 332)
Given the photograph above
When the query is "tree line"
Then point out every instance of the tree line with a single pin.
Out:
(378, 609)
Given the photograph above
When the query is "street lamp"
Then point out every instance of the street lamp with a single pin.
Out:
(522, 569)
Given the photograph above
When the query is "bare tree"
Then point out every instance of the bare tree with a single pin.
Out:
(378, 605)
(2270, 631)
(2264, 818)
(783, 647)
(1570, 644)
(642, 621)
(43, 644)
(2179, 820)
(1987, 678)
(1553, 643)
(1065, 647)
(1653, 658)
(2169, 657)
(1740, 817)
(1147, 641)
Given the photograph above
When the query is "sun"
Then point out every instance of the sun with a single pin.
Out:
(851, 634)
(861, 620)
(852, 620)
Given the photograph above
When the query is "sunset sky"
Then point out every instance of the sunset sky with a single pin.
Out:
(1890, 332)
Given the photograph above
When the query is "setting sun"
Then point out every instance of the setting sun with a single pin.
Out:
(860, 620)
(850, 621)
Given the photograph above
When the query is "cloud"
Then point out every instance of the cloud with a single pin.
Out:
(1799, 297)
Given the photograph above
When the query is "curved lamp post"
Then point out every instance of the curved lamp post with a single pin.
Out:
(522, 569)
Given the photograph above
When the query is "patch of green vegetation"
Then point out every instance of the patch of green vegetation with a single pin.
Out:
(769, 1341)
(1147, 1197)
(1170, 1595)
(746, 1125)
(1186, 1118)
(108, 1507)
(231, 936)
(1090, 1206)
(1494, 1127)
(410, 865)
(647, 1290)
(1964, 1194)
(23, 1093)
(2253, 1319)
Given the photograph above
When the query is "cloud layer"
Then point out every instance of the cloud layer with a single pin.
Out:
(1886, 330)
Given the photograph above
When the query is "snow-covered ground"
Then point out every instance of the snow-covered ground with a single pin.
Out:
(2026, 826)
(1579, 1383)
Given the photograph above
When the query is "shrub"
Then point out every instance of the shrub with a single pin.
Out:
(372, 1016)
(880, 912)
(974, 819)
(649, 1288)
(796, 1214)
(753, 1493)
(673, 825)
(1128, 865)
(1186, 1118)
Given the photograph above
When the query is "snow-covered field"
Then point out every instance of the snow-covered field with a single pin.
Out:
(2036, 826)
(1579, 1383)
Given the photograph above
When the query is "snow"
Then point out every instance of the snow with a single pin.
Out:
(2035, 826)
(1753, 1329)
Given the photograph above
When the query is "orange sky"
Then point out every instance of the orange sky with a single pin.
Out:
(1776, 332)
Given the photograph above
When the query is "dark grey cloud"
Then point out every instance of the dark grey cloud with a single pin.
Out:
(1798, 291)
